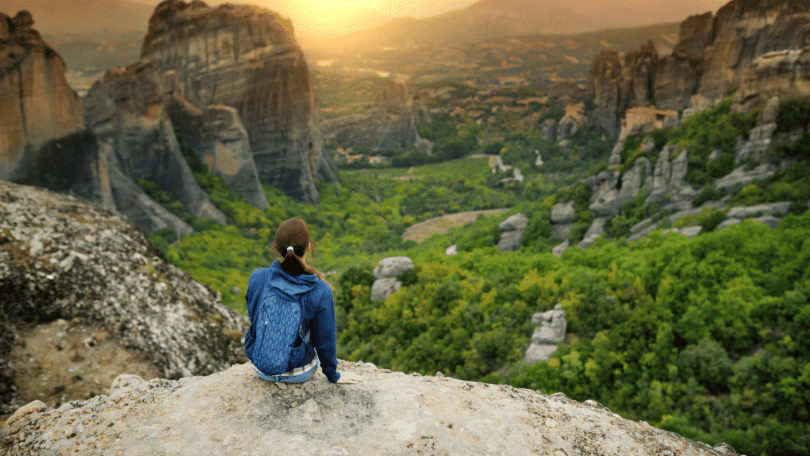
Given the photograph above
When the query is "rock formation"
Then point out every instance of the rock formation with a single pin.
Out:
(571, 122)
(218, 139)
(392, 122)
(562, 218)
(512, 230)
(713, 55)
(246, 58)
(549, 333)
(777, 74)
(386, 273)
(638, 75)
(43, 140)
(235, 412)
(605, 82)
(125, 109)
(744, 30)
(61, 257)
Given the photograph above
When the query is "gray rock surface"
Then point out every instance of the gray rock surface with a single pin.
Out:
(593, 233)
(741, 177)
(43, 140)
(392, 267)
(563, 213)
(125, 110)
(393, 121)
(218, 139)
(385, 287)
(234, 412)
(728, 222)
(760, 209)
(246, 58)
(688, 231)
(76, 260)
(549, 333)
(512, 230)
(642, 234)
(386, 273)
(559, 249)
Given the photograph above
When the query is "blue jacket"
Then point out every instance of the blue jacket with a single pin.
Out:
(315, 297)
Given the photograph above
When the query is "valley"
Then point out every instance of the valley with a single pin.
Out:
(649, 185)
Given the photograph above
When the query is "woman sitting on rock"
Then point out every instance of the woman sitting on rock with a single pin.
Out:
(292, 313)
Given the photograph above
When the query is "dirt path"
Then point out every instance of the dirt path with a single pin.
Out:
(437, 225)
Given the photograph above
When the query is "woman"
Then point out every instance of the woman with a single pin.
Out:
(292, 313)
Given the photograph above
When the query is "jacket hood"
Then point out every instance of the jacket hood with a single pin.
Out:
(292, 286)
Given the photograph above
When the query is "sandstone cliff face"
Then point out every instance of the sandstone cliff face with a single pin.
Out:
(746, 29)
(61, 257)
(246, 58)
(778, 74)
(43, 140)
(394, 120)
(125, 110)
(711, 57)
(235, 412)
(605, 82)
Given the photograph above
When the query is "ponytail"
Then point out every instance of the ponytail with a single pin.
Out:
(292, 242)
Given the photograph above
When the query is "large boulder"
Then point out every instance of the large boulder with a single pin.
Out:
(43, 140)
(512, 230)
(235, 412)
(386, 273)
(550, 331)
(392, 267)
(66, 258)
(572, 121)
(247, 58)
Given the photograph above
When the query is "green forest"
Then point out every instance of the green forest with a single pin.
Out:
(705, 336)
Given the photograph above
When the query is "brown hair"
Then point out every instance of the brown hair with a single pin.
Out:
(294, 233)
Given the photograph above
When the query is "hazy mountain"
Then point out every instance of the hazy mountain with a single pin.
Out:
(480, 21)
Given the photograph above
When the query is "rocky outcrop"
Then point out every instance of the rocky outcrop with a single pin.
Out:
(593, 233)
(546, 337)
(562, 218)
(125, 109)
(605, 83)
(512, 230)
(571, 122)
(745, 30)
(777, 74)
(392, 122)
(246, 58)
(755, 45)
(43, 140)
(235, 412)
(385, 275)
(61, 257)
(638, 75)
(218, 139)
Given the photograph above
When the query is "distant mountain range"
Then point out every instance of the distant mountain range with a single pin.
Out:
(480, 21)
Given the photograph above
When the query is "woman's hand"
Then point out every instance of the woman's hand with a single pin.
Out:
(349, 378)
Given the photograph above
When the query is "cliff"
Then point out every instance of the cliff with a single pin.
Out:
(393, 120)
(235, 412)
(708, 61)
(43, 140)
(246, 58)
(61, 257)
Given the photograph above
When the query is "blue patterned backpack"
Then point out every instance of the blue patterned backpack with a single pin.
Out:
(279, 334)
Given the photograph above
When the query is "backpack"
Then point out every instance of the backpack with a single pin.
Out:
(278, 330)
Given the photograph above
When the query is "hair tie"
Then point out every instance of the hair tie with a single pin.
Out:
(290, 249)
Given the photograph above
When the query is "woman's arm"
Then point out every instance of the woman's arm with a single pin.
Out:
(324, 335)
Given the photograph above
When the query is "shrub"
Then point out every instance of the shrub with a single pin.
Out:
(707, 362)
(793, 113)
(493, 147)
